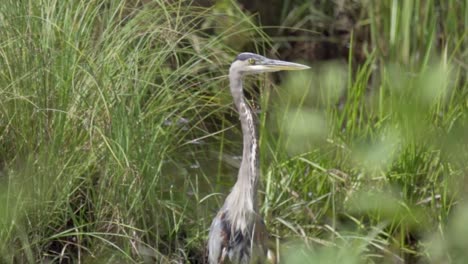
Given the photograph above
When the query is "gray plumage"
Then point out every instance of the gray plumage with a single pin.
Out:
(237, 233)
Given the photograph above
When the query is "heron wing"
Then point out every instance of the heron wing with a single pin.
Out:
(218, 240)
(260, 239)
(226, 247)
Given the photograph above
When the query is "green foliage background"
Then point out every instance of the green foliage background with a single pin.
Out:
(118, 140)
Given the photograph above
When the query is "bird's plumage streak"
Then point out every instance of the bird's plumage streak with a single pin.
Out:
(237, 233)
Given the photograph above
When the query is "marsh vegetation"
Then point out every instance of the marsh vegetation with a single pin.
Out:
(119, 141)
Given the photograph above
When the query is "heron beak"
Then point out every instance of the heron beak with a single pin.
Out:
(275, 65)
(278, 65)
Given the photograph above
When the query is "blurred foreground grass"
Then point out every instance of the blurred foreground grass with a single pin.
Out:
(116, 135)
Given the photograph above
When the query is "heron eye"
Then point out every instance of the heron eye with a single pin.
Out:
(251, 61)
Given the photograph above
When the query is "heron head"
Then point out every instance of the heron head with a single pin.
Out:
(250, 63)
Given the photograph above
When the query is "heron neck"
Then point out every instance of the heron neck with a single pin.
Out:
(246, 184)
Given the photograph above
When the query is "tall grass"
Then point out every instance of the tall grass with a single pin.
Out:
(101, 103)
(370, 159)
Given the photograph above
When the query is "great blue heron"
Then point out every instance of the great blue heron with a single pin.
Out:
(237, 233)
